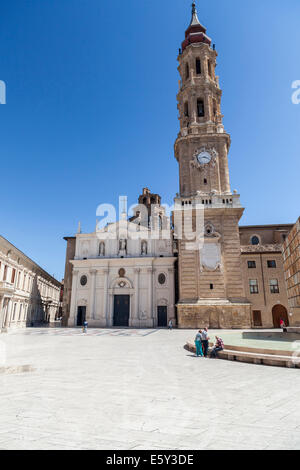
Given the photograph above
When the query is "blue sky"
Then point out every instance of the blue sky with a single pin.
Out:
(91, 109)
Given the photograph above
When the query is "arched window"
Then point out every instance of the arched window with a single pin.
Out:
(198, 66)
(254, 240)
(200, 108)
(187, 71)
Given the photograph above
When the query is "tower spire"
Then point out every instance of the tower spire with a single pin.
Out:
(195, 20)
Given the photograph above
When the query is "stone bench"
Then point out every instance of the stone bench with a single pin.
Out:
(254, 357)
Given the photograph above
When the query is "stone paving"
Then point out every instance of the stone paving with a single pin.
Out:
(138, 389)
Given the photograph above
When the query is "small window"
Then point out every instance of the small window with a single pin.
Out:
(211, 287)
(186, 109)
(214, 107)
(14, 312)
(253, 283)
(13, 276)
(274, 287)
(271, 264)
(187, 71)
(251, 264)
(162, 279)
(83, 280)
(198, 66)
(200, 108)
(209, 65)
(255, 240)
(205, 181)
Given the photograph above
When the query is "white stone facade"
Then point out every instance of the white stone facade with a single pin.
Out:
(122, 264)
(28, 295)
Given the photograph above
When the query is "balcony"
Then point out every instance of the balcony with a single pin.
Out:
(6, 287)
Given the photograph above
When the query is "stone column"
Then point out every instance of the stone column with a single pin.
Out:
(111, 312)
(136, 294)
(150, 294)
(225, 169)
(93, 273)
(1, 310)
(171, 312)
(105, 303)
(3, 313)
(72, 318)
(8, 314)
(204, 64)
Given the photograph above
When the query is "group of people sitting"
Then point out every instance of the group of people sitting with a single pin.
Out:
(202, 344)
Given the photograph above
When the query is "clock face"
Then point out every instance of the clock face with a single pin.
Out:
(204, 158)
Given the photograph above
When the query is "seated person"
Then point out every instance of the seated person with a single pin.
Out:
(219, 346)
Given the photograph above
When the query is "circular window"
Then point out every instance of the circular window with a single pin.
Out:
(122, 272)
(162, 279)
(255, 240)
(83, 280)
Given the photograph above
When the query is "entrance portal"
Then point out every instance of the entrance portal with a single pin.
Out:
(257, 318)
(280, 312)
(162, 317)
(81, 315)
(121, 310)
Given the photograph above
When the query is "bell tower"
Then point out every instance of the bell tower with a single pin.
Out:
(211, 291)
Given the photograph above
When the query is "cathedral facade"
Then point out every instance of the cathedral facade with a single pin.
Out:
(123, 274)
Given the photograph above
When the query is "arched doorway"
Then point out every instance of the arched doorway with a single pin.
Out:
(279, 312)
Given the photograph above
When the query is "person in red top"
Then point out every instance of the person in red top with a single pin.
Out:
(219, 346)
(283, 326)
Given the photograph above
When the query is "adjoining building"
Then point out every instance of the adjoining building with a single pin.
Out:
(291, 255)
(28, 294)
(263, 273)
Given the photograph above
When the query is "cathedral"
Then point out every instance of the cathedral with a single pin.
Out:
(231, 277)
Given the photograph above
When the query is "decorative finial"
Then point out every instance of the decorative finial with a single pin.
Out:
(195, 20)
(79, 227)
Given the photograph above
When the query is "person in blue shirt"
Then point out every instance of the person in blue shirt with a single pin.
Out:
(85, 326)
(198, 344)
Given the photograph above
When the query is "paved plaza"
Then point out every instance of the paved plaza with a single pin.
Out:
(138, 389)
